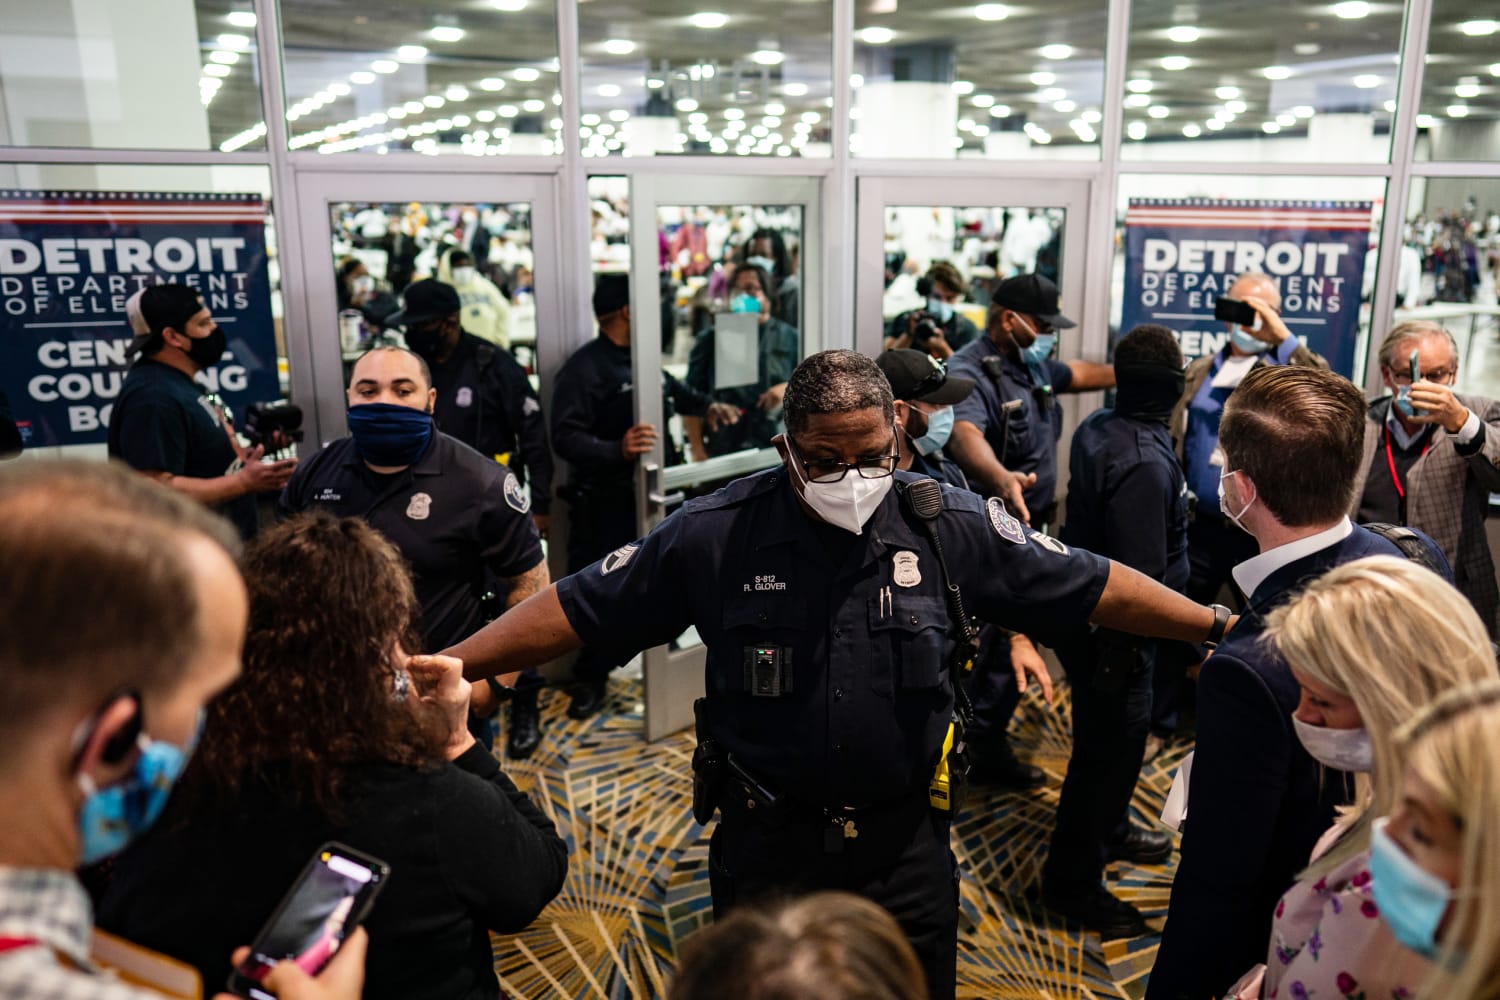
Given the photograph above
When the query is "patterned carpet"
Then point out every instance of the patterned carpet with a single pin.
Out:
(638, 879)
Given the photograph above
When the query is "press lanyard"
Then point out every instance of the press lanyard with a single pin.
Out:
(1390, 461)
(16, 943)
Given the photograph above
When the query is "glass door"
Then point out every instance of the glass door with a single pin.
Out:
(734, 264)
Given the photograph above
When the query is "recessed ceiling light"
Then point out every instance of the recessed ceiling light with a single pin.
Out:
(1390, 107)
(608, 90)
(457, 93)
(509, 6)
(1183, 34)
(1000, 111)
(1276, 72)
(1137, 100)
(795, 89)
(414, 107)
(1227, 93)
(1139, 86)
(239, 43)
(527, 75)
(876, 36)
(1458, 111)
(1270, 128)
(411, 53)
(809, 117)
(1286, 120)
(963, 88)
(1367, 81)
(1055, 51)
(698, 118)
(507, 111)
(339, 89)
(1426, 121)
(1478, 29)
(241, 18)
(385, 65)
(492, 84)
(1051, 95)
(767, 57)
(534, 106)
(1236, 107)
(619, 46)
(992, 12)
(982, 100)
(1191, 131)
(733, 114)
(709, 19)
(1214, 125)
(687, 104)
(217, 69)
(1467, 90)
(775, 109)
(1175, 63)
(1043, 79)
(446, 33)
(362, 77)
(1136, 130)
(1065, 107)
(1307, 48)
(1304, 111)
(484, 115)
(1092, 116)
(433, 101)
(855, 81)
(966, 124)
(1157, 111)
(227, 58)
(1494, 69)
(1351, 10)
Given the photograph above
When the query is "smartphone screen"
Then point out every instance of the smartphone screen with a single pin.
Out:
(329, 899)
(1416, 368)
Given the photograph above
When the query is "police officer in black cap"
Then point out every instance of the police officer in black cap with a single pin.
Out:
(1127, 499)
(459, 518)
(484, 399)
(924, 395)
(1005, 437)
(821, 591)
(594, 430)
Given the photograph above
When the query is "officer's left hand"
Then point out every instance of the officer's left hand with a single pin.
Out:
(1436, 404)
(1024, 659)
(543, 523)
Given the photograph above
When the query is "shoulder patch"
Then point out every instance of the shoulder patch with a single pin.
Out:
(1006, 526)
(617, 559)
(1049, 543)
(515, 497)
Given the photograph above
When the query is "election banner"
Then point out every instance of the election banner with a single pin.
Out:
(1181, 255)
(68, 262)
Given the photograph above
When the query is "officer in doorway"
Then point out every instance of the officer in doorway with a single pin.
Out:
(924, 395)
(460, 519)
(594, 430)
(820, 587)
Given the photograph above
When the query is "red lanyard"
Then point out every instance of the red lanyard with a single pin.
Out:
(1390, 461)
(16, 943)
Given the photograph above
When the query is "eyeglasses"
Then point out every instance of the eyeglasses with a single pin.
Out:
(1440, 375)
(823, 470)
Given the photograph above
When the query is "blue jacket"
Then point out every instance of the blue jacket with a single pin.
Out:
(1256, 804)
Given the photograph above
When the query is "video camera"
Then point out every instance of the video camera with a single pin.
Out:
(264, 420)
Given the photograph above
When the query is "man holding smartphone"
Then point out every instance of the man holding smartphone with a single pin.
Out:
(99, 712)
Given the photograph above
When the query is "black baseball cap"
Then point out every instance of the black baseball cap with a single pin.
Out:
(917, 375)
(611, 294)
(1033, 295)
(424, 302)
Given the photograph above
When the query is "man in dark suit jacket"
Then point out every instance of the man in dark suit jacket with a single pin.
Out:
(1435, 467)
(1292, 439)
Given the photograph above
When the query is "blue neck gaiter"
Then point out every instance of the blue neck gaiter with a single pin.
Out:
(389, 434)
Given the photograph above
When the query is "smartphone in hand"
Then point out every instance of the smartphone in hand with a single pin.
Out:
(1234, 311)
(331, 897)
(1403, 392)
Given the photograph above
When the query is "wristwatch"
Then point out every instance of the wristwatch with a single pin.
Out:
(502, 693)
(1221, 621)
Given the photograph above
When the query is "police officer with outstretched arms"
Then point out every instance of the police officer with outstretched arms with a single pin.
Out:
(827, 736)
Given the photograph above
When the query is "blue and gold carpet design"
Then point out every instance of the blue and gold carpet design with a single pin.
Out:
(638, 878)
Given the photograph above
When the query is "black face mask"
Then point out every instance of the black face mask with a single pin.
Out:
(1148, 391)
(205, 352)
(425, 340)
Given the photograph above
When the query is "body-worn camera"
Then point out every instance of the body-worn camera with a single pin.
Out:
(264, 420)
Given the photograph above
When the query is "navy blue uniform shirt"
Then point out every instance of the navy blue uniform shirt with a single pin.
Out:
(1026, 439)
(486, 401)
(164, 422)
(1127, 496)
(453, 515)
(867, 631)
(593, 405)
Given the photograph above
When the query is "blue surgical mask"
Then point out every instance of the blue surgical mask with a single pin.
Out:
(1040, 350)
(1403, 400)
(1411, 899)
(744, 303)
(389, 434)
(766, 264)
(1249, 343)
(940, 310)
(939, 428)
(113, 817)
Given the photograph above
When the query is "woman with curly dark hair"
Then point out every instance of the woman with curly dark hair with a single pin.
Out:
(334, 732)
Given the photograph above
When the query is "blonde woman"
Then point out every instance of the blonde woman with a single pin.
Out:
(1436, 858)
(1370, 643)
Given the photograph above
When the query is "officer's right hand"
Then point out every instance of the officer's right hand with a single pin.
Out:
(638, 441)
(264, 477)
(1012, 489)
(343, 978)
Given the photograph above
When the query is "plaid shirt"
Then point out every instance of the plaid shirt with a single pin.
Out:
(51, 908)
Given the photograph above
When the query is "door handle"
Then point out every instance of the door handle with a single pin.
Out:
(654, 494)
(667, 499)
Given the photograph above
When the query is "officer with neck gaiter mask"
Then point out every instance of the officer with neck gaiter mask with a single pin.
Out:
(1127, 500)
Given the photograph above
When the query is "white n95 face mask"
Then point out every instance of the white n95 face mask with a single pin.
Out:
(848, 503)
(463, 275)
(1340, 749)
